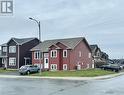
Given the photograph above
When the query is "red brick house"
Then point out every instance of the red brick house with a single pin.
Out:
(63, 54)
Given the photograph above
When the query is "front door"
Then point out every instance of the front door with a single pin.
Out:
(46, 63)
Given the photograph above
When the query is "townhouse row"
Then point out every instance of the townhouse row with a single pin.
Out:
(58, 54)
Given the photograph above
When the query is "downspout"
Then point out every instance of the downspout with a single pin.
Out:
(18, 56)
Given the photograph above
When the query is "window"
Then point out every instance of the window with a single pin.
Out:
(46, 60)
(64, 53)
(12, 61)
(89, 55)
(12, 49)
(53, 66)
(37, 55)
(4, 49)
(53, 53)
(38, 65)
(79, 53)
(64, 66)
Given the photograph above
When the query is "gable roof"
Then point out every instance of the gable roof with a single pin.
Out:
(71, 43)
(93, 47)
(22, 40)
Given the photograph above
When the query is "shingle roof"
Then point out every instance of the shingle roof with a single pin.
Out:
(93, 47)
(5, 44)
(22, 40)
(69, 42)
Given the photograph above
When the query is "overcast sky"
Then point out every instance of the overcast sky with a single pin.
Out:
(100, 21)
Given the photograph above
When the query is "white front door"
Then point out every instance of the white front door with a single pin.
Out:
(46, 63)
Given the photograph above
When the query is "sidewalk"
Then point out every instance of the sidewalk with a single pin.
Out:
(64, 78)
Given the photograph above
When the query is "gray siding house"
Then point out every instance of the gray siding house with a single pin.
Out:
(99, 57)
(16, 52)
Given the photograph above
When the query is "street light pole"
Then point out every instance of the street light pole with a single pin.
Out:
(38, 22)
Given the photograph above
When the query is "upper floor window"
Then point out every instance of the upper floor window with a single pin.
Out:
(53, 53)
(80, 54)
(4, 49)
(64, 53)
(12, 49)
(37, 55)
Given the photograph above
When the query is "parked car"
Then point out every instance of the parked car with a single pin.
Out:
(27, 69)
(113, 67)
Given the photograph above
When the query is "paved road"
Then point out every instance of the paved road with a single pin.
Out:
(20, 86)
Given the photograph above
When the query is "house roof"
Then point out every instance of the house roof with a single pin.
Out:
(93, 47)
(22, 40)
(69, 42)
(5, 44)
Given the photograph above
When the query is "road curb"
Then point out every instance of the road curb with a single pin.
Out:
(65, 78)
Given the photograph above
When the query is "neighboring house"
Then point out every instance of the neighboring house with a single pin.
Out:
(16, 52)
(99, 57)
(0, 60)
(63, 54)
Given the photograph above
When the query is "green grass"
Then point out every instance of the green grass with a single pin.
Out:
(81, 73)
(8, 70)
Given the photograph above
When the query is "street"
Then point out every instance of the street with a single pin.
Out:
(20, 86)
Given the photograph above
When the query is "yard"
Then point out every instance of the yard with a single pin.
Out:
(81, 73)
(6, 71)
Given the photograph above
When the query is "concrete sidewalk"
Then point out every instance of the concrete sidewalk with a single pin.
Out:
(64, 78)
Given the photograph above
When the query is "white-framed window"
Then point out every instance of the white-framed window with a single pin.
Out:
(37, 55)
(4, 49)
(89, 55)
(80, 54)
(53, 66)
(53, 53)
(65, 67)
(64, 53)
(12, 61)
(12, 49)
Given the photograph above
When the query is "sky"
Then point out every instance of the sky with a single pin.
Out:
(101, 22)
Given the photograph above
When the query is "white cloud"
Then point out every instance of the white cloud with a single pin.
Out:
(100, 21)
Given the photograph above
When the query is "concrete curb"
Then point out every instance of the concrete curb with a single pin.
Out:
(64, 78)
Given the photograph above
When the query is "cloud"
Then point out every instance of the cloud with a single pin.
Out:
(100, 21)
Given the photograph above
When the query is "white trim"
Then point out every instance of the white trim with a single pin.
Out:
(65, 52)
(88, 66)
(18, 56)
(4, 49)
(89, 55)
(53, 67)
(12, 49)
(80, 53)
(46, 64)
(65, 67)
(37, 55)
(54, 53)
(13, 59)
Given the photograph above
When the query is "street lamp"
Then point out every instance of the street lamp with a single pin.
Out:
(38, 22)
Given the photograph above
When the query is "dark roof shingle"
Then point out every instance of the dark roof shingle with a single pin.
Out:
(69, 42)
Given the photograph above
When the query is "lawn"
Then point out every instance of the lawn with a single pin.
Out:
(81, 73)
(8, 70)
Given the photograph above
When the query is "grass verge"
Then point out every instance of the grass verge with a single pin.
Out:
(81, 73)
(7, 70)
